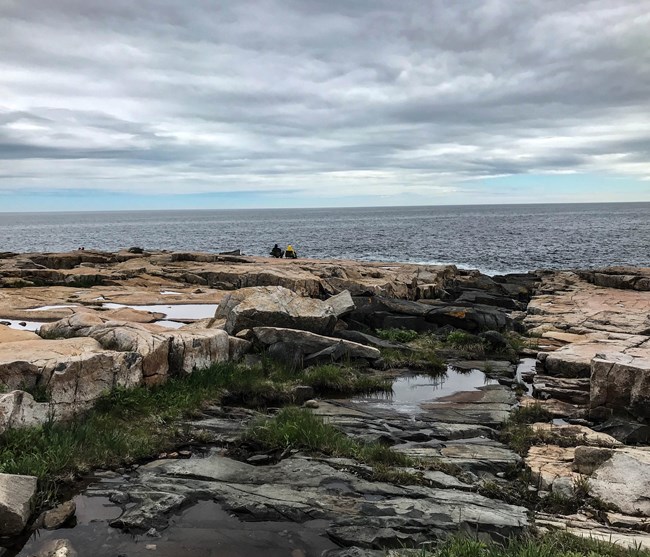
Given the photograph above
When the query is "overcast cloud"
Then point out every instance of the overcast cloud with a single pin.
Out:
(320, 97)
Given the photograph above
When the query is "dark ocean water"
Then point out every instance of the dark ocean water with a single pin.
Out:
(495, 238)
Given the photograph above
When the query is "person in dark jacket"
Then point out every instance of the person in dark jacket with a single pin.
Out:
(290, 253)
(276, 251)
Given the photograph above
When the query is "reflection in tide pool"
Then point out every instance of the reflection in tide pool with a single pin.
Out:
(48, 308)
(410, 390)
(202, 530)
(172, 312)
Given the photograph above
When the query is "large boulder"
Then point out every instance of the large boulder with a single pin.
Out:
(624, 480)
(471, 318)
(380, 312)
(275, 306)
(620, 383)
(303, 344)
(572, 360)
(78, 324)
(627, 278)
(17, 495)
(131, 337)
(163, 352)
(342, 303)
(71, 373)
(626, 430)
(192, 350)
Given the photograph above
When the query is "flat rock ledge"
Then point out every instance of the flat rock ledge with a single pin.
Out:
(360, 513)
(594, 330)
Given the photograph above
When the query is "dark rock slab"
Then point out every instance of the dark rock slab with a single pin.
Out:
(360, 513)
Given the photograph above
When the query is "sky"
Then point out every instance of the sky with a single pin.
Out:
(164, 104)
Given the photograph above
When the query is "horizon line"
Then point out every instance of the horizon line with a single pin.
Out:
(328, 207)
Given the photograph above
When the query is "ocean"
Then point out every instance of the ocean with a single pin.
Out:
(491, 238)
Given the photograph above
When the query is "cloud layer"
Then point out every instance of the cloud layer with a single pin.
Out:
(323, 98)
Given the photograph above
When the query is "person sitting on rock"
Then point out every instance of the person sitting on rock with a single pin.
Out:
(276, 251)
(290, 253)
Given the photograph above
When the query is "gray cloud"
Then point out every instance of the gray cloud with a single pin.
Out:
(355, 98)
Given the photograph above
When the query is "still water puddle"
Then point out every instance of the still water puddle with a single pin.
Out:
(48, 308)
(411, 390)
(202, 530)
(173, 312)
(170, 324)
(525, 373)
(22, 325)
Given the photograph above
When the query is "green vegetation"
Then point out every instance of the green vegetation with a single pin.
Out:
(398, 335)
(271, 383)
(462, 339)
(518, 434)
(421, 353)
(38, 392)
(554, 544)
(331, 378)
(295, 428)
(428, 352)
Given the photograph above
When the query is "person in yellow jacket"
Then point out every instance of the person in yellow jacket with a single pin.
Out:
(290, 253)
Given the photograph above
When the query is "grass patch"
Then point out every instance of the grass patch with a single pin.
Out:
(530, 414)
(296, 428)
(330, 378)
(421, 355)
(461, 339)
(270, 383)
(428, 352)
(554, 544)
(397, 335)
(517, 433)
(388, 474)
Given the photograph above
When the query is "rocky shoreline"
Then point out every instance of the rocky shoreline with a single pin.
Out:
(134, 318)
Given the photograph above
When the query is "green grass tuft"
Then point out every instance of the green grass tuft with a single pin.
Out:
(331, 378)
(398, 335)
(554, 544)
(296, 428)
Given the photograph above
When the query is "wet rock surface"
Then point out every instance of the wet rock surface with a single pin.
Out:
(302, 489)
